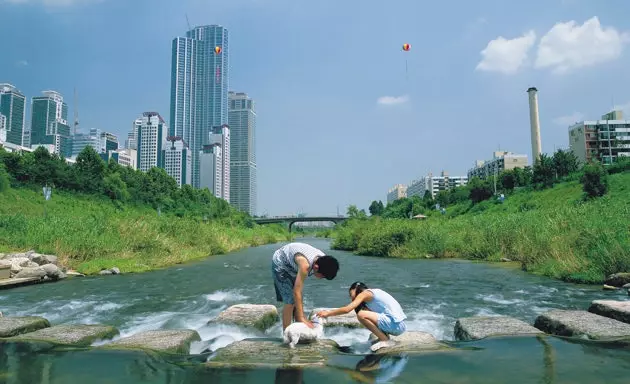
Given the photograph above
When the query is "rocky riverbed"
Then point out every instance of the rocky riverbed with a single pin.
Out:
(30, 265)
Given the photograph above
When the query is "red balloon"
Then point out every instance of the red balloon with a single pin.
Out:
(406, 47)
(217, 50)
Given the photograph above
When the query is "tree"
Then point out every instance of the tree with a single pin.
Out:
(355, 213)
(5, 181)
(480, 190)
(523, 176)
(594, 180)
(89, 171)
(376, 208)
(508, 180)
(544, 171)
(565, 163)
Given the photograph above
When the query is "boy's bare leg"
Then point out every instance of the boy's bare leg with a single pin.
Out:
(287, 315)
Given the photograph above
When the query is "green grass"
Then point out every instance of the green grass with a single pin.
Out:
(89, 234)
(552, 232)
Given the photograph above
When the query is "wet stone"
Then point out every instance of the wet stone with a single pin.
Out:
(349, 320)
(618, 310)
(170, 341)
(13, 326)
(480, 327)
(411, 342)
(582, 324)
(260, 317)
(74, 335)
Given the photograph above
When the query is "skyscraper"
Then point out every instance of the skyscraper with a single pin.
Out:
(49, 124)
(177, 160)
(211, 163)
(152, 134)
(13, 113)
(132, 137)
(243, 180)
(221, 135)
(199, 88)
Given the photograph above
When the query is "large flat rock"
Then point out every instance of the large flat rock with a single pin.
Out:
(349, 320)
(260, 317)
(75, 335)
(273, 354)
(411, 342)
(583, 324)
(618, 310)
(618, 279)
(175, 341)
(480, 327)
(13, 326)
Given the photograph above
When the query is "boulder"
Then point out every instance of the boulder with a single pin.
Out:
(74, 274)
(260, 317)
(411, 342)
(52, 271)
(28, 272)
(582, 324)
(609, 288)
(273, 354)
(618, 310)
(349, 320)
(13, 326)
(115, 271)
(75, 335)
(169, 341)
(618, 279)
(105, 272)
(480, 327)
(43, 259)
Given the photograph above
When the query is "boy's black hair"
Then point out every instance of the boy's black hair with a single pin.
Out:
(328, 266)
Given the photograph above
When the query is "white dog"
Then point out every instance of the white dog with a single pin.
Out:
(299, 331)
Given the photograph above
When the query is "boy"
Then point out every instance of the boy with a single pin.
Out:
(290, 266)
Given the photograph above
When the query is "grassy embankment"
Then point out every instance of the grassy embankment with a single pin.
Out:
(88, 233)
(552, 232)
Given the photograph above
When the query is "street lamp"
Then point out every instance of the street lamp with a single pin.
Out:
(47, 194)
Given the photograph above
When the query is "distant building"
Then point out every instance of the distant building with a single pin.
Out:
(109, 141)
(501, 161)
(125, 157)
(12, 114)
(49, 124)
(132, 137)
(435, 184)
(243, 169)
(152, 134)
(221, 135)
(602, 140)
(177, 160)
(210, 165)
(398, 191)
(102, 142)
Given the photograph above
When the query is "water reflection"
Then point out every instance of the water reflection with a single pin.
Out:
(289, 376)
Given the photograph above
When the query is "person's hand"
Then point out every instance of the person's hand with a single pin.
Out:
(308, 324)
(323, 314)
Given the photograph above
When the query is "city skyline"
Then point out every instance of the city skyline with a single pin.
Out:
(321, 98)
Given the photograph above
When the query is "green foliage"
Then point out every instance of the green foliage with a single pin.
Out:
(480, 190)
(5, 181)
(376, 208)
(564, 163)
(594, 180)
(355, 213)
(544, 173)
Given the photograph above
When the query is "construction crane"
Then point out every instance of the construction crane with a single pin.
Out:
(76, 112)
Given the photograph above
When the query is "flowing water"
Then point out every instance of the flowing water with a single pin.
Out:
(434, 293)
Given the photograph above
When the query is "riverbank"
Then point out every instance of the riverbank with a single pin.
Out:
(551, 232)
(89, 233)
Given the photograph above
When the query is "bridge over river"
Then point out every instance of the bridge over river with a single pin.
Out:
(292, 220)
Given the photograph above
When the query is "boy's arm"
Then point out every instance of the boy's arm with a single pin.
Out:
(303, 267)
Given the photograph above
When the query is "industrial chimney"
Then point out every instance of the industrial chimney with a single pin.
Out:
(534, 123)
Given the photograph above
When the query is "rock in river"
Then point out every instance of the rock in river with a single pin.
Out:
(28, 272)
(174, 341)
(618, 279)
(13, 326)
(260, 317)
(583, 324)
(75, 335)
(618, 310)
(273, 353)
(411, 342)
(474, 328)
(349, 320)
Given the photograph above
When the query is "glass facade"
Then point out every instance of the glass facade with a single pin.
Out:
(49, 124)
(242, 122)
(13, 108)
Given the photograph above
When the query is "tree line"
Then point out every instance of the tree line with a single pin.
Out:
(122, 185)
(547, 170)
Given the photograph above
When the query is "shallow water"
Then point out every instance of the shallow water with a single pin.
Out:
(434, 293)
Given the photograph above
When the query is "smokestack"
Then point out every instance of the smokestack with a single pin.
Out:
(534, 123)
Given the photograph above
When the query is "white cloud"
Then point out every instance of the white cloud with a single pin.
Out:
(506, 56)
(569, 46)
(21, 63)
(392, 100)
(569, 119)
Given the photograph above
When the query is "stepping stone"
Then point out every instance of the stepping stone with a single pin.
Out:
(13, 326)
(74, 335)
(169, 341)
(618, 279)
(273, 354)
(618, 310)
(260, 317)
(480, 327)
(411, 342)
(583, 324)
(349, 320)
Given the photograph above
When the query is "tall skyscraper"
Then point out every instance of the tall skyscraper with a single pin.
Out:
(211, 164)
(199, 88)
(132, 137)
(177, 160)
(221, 135)
(49, 124)
(152, 134)
(243, 179)
(12, 113)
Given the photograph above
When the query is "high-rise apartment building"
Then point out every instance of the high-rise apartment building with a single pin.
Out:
(221, 135)
(102, 142)
(177, 160)
(49, 124)
(132, 137)
(199, 88)
(211, 164)
(398, 191)
(125, 157)
(12, 114)
(435, 184)
(501, 161)
(109, 141)
(602, 140)
(152, 134)
(243, 178)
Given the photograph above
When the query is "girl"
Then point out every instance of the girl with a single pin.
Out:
(377, 310)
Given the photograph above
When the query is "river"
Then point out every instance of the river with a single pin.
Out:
(434, 293)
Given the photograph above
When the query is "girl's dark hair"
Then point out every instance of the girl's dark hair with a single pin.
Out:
(360, 287)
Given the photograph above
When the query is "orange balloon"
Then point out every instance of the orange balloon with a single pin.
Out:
(217, 50)
(406, 47)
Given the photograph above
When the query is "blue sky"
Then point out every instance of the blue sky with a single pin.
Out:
(317, 70)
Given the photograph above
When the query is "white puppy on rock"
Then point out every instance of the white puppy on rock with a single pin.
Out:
(299, 331)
